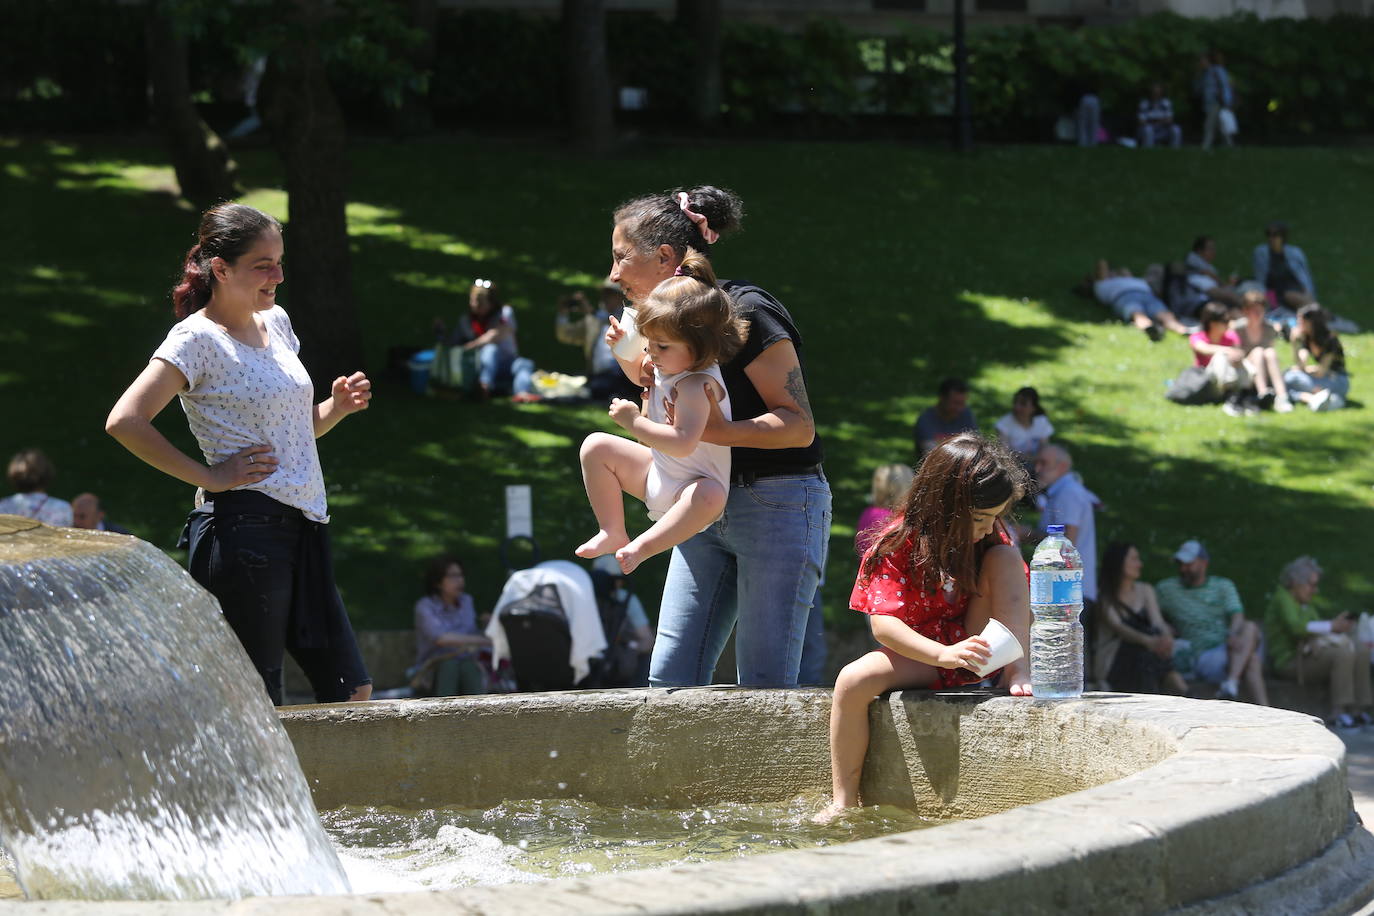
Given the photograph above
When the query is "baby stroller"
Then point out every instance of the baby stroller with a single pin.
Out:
(546, 622)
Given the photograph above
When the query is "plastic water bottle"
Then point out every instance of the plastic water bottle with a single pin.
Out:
(1056, 598)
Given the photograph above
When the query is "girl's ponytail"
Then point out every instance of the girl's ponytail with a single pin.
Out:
(697, 266)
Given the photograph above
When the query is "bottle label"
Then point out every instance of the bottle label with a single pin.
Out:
(1056, 586)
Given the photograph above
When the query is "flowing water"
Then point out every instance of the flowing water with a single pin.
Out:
(385, 849)
(141, 757)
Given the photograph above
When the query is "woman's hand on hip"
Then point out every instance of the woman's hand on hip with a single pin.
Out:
(247, 465)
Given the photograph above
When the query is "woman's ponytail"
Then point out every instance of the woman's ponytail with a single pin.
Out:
(191, 294)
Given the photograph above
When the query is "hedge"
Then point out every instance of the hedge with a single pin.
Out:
(1295, 80)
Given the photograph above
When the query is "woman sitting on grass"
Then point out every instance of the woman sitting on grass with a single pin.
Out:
(689, 325)
(1026, 427)
(1319, 378)
(930, 581)
(1257, 337)
(488, 330)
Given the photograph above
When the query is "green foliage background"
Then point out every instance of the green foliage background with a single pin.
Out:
(1295, 80)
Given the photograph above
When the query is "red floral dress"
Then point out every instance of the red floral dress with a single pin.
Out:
(891, 592)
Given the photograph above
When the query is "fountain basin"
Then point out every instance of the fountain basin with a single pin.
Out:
(1119, 803)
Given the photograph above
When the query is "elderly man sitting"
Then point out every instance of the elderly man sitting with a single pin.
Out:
(1215, 642)
(1066, 501)
(1306, 644)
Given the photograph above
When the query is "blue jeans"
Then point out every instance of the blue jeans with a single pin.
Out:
(759, 563)
(1339, 384)
(812, 670)
(498, 370)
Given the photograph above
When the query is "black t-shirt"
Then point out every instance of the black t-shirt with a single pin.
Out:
(1281, 278)
(769, 323)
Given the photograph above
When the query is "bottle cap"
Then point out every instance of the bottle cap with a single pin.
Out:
(1054, 529)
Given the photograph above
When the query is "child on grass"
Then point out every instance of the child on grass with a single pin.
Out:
(689, 325)
(937, 574)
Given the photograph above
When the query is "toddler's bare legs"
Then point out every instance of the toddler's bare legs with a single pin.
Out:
(858, 683)
(611, 465)
(698, 505)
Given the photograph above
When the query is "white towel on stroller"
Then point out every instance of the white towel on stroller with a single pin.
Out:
(574, 586)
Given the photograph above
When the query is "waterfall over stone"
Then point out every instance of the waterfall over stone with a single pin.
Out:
(139, 755)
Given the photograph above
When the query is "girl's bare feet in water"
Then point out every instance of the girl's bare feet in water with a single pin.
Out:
(828, 814)
(603, 542)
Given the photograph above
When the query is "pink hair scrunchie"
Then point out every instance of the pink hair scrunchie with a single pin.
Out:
(707, 233)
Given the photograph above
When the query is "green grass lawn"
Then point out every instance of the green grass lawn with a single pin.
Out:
(901, 265)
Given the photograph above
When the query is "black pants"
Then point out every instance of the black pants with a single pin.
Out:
(253, 553)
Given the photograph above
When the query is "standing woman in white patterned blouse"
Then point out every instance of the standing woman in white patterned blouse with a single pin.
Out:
(259, 537)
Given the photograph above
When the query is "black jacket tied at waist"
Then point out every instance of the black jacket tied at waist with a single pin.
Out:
(317, 617)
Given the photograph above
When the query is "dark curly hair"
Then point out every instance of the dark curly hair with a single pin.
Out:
(657, 219)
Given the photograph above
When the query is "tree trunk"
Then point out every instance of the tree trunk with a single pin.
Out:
(701, 22)
(308, 133)
(414, 115)
(587, 75)
(205, 171)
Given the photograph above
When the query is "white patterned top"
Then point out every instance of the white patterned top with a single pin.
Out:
(40, 506)
(237, 396)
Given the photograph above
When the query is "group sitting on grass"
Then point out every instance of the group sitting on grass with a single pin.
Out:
(1233, 326)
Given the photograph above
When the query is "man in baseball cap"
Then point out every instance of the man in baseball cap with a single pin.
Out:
(1190, 551)
(1216, 643)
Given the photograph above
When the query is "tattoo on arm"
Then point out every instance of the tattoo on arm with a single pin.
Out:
(796, 387)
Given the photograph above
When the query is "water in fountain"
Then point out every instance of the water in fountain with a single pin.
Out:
(520, 841)
(142, 759)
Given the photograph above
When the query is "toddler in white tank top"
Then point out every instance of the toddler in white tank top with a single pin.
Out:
(689, 325)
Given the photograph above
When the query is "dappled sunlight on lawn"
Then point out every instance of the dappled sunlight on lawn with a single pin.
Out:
(900, 265)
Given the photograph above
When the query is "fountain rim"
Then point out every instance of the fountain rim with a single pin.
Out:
(1223, 777)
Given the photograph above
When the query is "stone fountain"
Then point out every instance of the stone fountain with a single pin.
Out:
(1119, 803)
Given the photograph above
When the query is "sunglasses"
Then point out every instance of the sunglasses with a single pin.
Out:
(484, 284)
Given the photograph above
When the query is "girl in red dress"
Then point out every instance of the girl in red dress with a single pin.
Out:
(937, 573)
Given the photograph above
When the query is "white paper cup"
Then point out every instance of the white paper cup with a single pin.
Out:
(1006, 648)
(632, 344)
